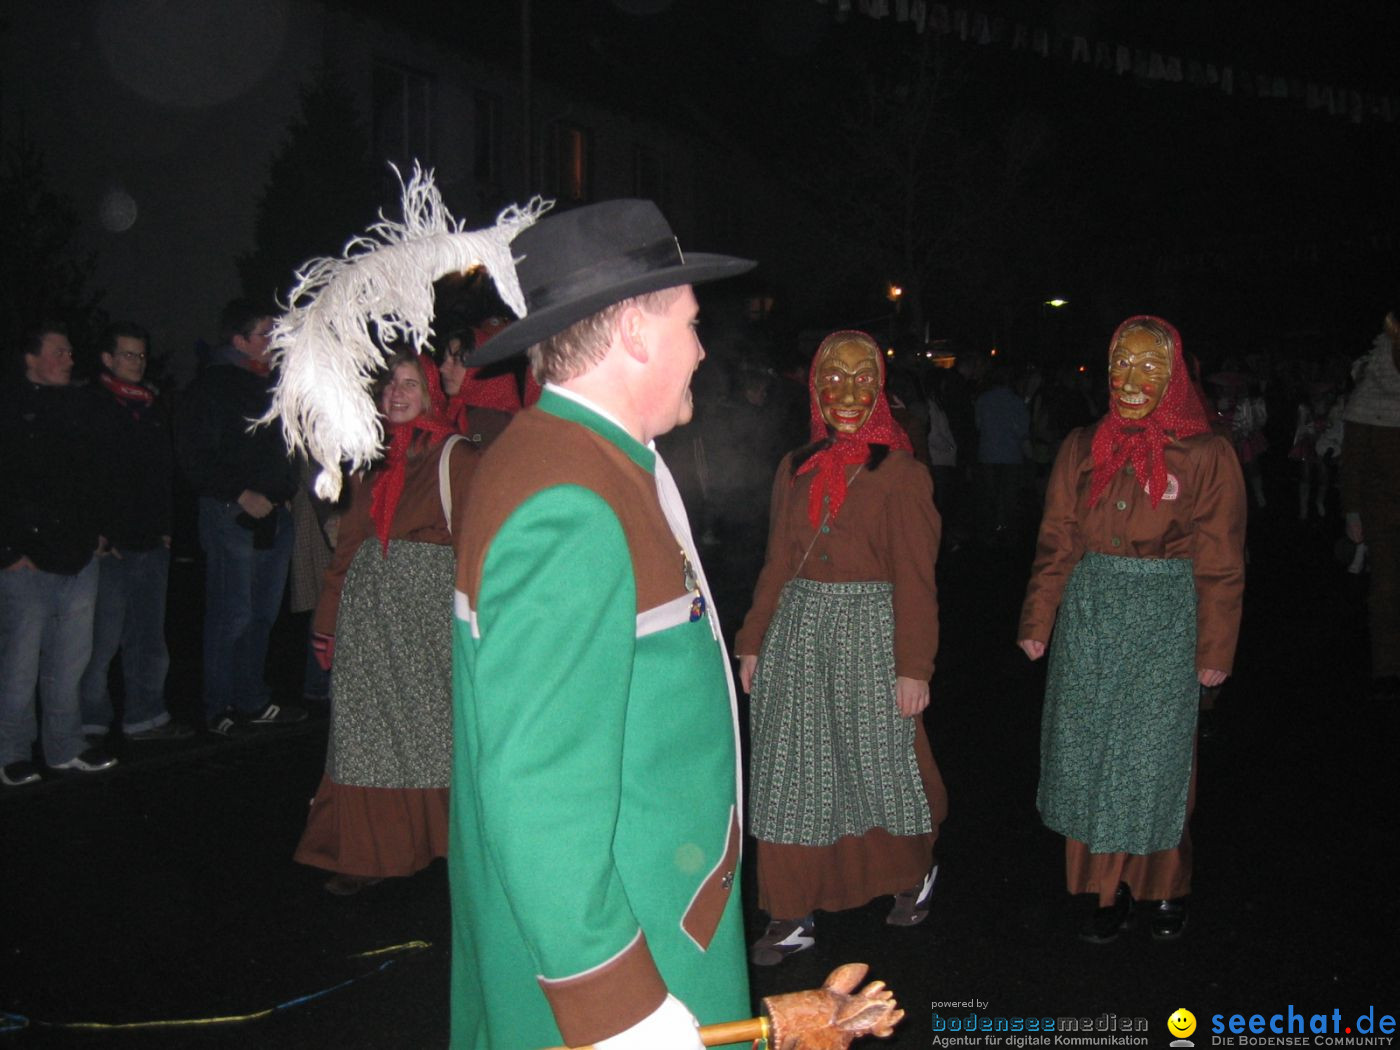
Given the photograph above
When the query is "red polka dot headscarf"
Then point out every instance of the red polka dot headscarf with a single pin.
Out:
(1178, 415)
(879, 428)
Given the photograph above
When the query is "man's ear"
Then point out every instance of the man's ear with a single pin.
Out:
(631, 325)
(107, 360)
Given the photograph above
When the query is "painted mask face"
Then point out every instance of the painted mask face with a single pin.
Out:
(1139, 368)
(847, 384)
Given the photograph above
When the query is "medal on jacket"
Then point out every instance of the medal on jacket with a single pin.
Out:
(697, 606)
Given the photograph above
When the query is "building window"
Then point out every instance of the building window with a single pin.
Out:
(403, 106)
(570, 162)
(649, 176)
(486, 161)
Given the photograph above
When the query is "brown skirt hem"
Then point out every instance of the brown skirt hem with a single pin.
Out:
(1159, 876)
(374, 832)
(794, 881)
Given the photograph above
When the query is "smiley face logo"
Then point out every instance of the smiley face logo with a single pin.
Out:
(1182, 1023)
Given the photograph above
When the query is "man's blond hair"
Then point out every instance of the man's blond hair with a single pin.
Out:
(573, 351)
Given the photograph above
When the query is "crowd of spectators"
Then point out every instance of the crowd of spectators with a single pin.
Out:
(91, 468)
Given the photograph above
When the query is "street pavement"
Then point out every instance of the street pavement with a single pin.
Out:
(162, 894)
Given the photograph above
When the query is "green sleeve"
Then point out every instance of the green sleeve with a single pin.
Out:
(556, 616)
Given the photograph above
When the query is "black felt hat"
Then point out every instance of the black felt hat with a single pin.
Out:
(574, 263)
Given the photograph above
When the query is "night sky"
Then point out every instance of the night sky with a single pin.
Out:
(982, 179)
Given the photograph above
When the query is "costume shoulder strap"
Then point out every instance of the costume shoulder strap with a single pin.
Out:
(445, 477)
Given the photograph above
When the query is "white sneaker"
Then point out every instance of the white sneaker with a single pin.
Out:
(92, 760)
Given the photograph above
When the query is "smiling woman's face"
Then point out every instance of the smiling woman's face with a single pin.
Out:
(404, 398)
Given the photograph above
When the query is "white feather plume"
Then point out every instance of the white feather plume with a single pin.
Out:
(329, 344)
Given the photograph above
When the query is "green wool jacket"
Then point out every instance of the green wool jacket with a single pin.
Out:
(594, 821)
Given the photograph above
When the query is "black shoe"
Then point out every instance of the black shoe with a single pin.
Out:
(224, 724)
(349, 885)
(1168, 918)
(1105, 924)
(278, 715)
(911, 905)
(17, 774)
(93, 760)
(164, 731)
(783, 937)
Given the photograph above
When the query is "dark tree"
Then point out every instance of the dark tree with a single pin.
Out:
(321, 191)
(43, 275)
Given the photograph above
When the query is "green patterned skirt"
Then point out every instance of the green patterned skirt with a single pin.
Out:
(1120, 705)
(391, 687)
(831, 756)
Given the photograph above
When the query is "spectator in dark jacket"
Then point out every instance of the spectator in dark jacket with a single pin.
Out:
(51, 520)
(137, 459)
(1003, 431)
(244, 480)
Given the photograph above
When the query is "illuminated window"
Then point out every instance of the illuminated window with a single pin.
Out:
(570, 162)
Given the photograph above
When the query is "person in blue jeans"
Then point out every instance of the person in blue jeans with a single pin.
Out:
(51, 519)
(244, 479)
(138, 459)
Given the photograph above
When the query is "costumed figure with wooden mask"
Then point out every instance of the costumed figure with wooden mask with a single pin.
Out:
(1139, 573)
(837, 652)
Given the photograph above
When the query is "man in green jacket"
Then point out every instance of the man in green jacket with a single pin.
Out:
(595, 814)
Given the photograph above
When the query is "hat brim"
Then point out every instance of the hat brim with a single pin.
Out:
(539, 325)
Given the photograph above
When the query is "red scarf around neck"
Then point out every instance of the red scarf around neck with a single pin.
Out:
(497, 392)
(830, 463)
(127, 393)
(433, 425)
(1178, 415)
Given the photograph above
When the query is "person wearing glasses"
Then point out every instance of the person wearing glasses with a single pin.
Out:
(138, 459)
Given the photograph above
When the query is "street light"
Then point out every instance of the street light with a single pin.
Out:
(1057, 303)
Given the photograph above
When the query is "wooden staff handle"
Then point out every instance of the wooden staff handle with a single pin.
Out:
(721, 1034)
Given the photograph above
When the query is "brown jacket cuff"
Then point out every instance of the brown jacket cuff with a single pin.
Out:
(609, 998)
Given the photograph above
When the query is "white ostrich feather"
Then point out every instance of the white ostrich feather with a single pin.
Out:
(329, 344)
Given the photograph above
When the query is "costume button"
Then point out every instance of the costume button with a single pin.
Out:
(826, 528)
(1129, 470)
(727, 879)
(823, 557)
(1116, 541)
(1122, 504)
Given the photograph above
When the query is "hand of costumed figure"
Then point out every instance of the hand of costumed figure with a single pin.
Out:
(832, 1016)
(328, 345)
(827, 1018)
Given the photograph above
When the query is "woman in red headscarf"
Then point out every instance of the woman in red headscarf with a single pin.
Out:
(836, 653)
(385, 618)
(481, 402)
(1139, 570)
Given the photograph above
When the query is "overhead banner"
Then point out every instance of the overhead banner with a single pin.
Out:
(978, 27)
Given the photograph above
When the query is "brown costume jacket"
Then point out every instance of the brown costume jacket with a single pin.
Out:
(1204, 522)
(887, 530)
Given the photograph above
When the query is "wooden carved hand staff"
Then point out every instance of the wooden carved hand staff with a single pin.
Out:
(825, 1018)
